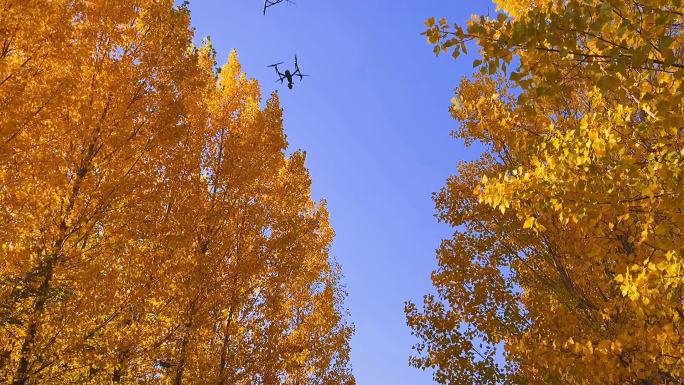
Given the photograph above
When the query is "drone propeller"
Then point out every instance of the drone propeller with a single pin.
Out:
(277, 64)
(298, 72)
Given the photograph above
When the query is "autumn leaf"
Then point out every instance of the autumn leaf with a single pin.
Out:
(583, 144)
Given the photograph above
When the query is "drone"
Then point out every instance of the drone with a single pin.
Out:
(270, 3)
(289, 76)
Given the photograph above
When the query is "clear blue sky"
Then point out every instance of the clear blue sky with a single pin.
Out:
(374, 121)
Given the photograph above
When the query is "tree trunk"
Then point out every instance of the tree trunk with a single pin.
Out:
(21, 376)
(185, 342)
(224, 350)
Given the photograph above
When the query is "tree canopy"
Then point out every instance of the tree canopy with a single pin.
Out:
(567, 261)
(152, 228)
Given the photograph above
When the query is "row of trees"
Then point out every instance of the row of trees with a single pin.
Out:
(567, 264)
(152, 229)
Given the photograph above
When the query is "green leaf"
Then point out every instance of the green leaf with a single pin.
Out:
(492, 67)
(607, 83)
(665, 42)
(640, 56)
(606, 8)
(669, 57)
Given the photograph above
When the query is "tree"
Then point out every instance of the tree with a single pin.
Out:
(153, 229)
(567, 264)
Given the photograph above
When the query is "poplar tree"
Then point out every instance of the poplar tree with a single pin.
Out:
(152, 228)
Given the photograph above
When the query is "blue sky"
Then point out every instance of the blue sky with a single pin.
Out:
(373, 119)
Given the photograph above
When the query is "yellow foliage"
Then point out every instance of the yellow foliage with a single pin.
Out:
(152, 228)
(580, 280)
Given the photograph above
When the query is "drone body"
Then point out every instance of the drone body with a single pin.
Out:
(289, 76)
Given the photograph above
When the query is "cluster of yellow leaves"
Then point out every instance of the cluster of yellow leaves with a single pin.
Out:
(152, 229)
(568, 262)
